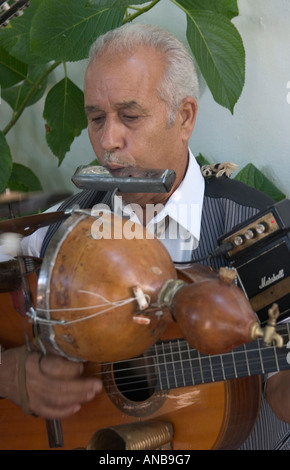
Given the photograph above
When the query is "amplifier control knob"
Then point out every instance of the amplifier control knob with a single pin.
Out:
(239, 240)
(250, 234)
(261, 228)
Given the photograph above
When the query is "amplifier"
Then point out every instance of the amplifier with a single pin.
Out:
(259, 250)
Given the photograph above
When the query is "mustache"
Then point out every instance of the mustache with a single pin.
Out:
(110, 157)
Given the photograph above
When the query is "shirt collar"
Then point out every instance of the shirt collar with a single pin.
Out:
(178, 208)
(185, 204)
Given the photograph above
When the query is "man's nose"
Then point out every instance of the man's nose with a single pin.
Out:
(112, 135)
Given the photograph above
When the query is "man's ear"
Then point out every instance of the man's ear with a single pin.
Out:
(187, 112)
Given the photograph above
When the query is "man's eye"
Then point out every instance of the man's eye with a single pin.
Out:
(97, 119)
(130, 117)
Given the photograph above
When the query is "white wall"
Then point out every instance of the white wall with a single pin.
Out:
(258, 132)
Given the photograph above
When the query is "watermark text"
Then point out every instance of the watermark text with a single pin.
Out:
(125, 221)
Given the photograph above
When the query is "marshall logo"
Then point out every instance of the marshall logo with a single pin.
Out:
(265, 282)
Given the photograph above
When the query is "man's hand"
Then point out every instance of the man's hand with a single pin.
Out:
(55, 386)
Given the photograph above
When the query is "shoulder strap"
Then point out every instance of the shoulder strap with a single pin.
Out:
(84, 200)
(222, 186)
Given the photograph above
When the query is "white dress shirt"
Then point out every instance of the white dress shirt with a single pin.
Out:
(177, 224)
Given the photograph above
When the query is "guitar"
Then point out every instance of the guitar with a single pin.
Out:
(212, 402)
(9, 9)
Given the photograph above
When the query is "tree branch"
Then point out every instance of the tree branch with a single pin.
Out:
(141, 11)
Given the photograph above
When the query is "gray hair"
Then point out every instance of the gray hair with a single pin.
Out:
(180, 79)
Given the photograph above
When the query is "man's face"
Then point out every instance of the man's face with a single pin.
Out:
(127, 120)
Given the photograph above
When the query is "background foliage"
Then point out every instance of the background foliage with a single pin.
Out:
(52, 33)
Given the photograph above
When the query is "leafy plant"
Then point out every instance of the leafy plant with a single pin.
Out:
(255, 178)
(52, 33)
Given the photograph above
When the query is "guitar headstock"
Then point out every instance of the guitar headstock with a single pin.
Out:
(9, 9)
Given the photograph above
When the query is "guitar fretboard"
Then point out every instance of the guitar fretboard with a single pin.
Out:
(178, 365)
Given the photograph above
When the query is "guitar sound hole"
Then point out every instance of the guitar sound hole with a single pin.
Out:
(136, 378)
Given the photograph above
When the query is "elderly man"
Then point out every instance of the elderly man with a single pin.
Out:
(141, 94)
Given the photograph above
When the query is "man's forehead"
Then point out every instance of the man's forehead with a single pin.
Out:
(121, 85)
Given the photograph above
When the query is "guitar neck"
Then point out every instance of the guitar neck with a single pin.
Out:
(9, 9)
(178, 365)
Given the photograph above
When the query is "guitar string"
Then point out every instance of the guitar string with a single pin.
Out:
(206, 363)
(135, 383)
(206, 368)
(204, 356)
(237, 351)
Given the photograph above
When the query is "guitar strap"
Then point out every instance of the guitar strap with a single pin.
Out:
(83, 200)
(223, 195)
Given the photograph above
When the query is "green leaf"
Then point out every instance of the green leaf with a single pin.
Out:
(23, 179)
(5, 163)
(253, 177)
(15, 38)
(15, 96)
(114, 3)
(65, 116)
(228, 8)
(95, 162)
(65, 30)
(219, 51)
(202, 160)
(12, 71)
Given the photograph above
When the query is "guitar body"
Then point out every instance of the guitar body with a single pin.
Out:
(210, 416)
(203, 418)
